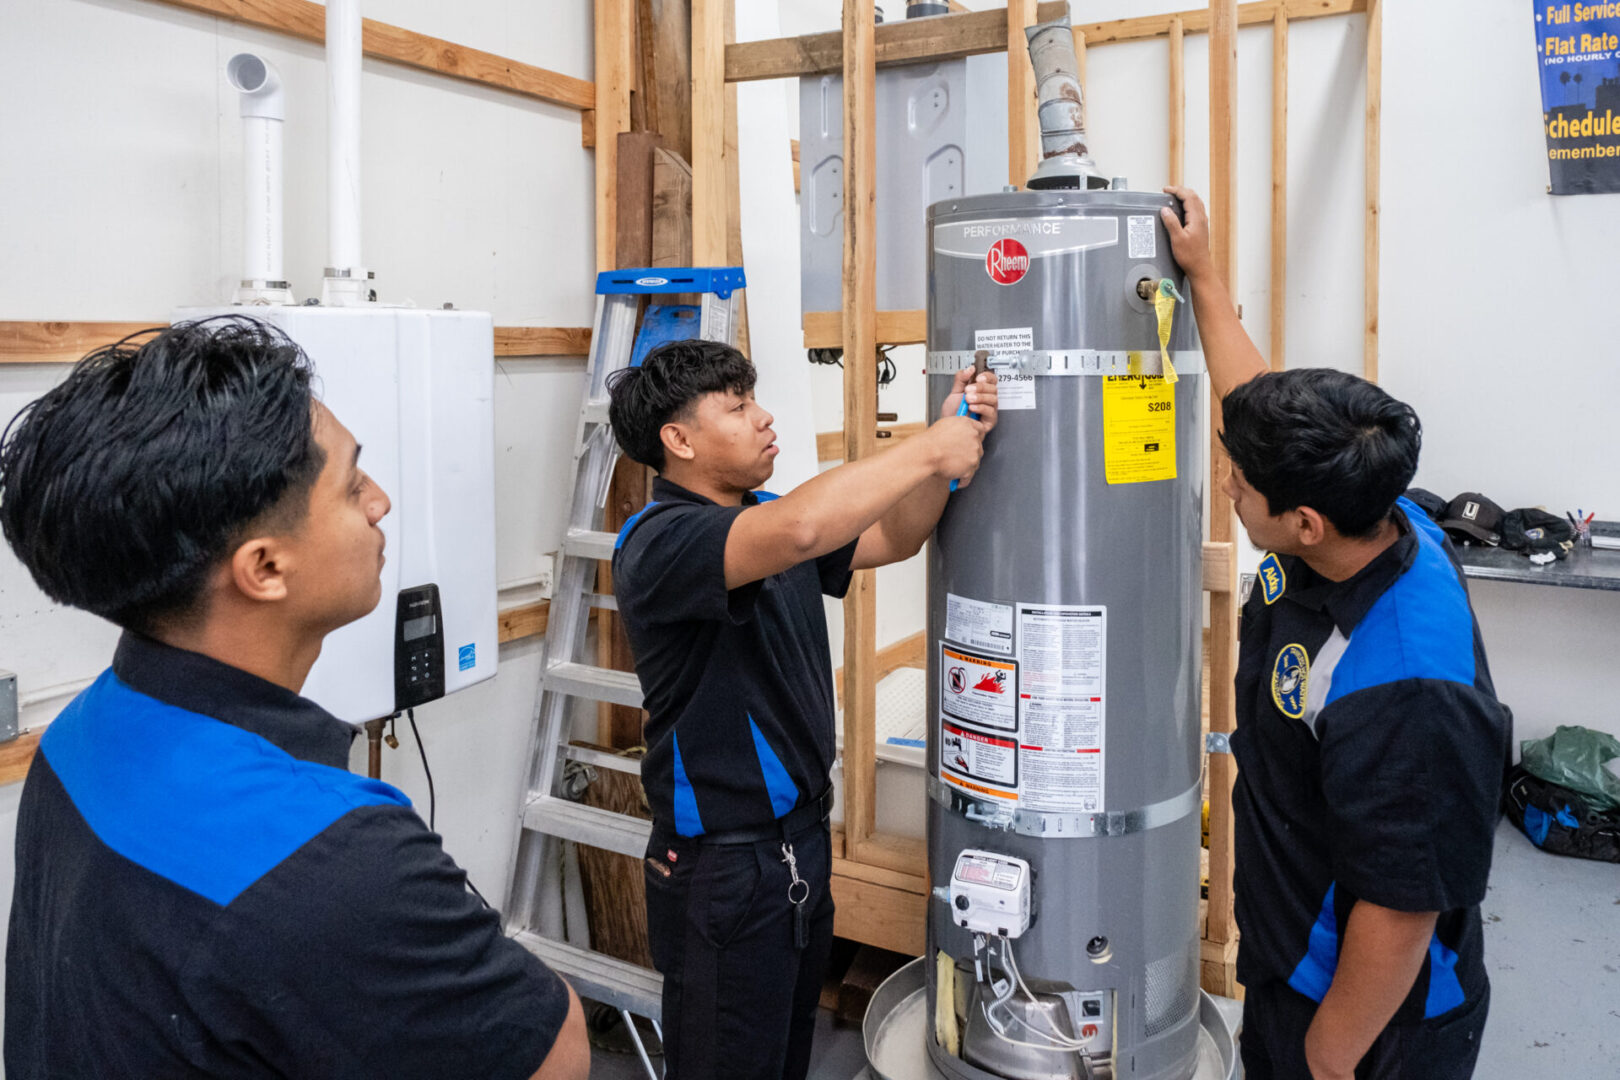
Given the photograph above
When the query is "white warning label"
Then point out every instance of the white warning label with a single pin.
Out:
(987, 758)
(978, 690)
(1141, 237)
(1062, 662)
(979, 624)
(1010, 341)
(1014, 389)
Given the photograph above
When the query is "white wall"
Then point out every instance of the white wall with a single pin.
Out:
(119, 200)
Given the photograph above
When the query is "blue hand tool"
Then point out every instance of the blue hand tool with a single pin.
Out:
(980, 363)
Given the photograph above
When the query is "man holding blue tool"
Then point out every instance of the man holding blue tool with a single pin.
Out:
(1370, 744)
(719, 585)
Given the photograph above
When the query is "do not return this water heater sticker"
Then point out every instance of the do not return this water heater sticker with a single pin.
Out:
(1139, 429)
(1014, 389)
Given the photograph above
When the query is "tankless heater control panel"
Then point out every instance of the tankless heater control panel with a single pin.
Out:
(990, 893)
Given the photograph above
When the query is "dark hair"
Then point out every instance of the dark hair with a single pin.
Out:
(125, 484)
(665, 387)
(1324, 439)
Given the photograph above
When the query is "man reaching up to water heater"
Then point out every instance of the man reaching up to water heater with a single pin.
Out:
(720, 586)
(1370, 745)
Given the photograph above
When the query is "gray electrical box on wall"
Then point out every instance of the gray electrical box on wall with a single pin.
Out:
(8, 706)
(941, 134)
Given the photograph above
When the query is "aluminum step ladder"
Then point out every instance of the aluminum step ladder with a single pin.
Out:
(547, 811)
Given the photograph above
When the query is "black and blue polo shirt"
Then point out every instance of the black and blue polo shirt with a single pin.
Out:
(204, 890)
(737, 682)
(1370, 749)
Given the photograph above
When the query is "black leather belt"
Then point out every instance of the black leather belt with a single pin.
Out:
(789, 825)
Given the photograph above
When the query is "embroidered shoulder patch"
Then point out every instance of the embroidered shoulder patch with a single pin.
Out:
(1272, 579)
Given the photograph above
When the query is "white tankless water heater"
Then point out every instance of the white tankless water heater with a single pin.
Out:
(417, 389)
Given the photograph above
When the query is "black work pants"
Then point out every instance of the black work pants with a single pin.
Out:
(740, 996)
(1276, 1017)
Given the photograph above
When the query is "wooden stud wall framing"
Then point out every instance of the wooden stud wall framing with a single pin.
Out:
(1279, 190)
(885, 876)
(1216, 974)
(615, 36)
(1375, 106)
(860, 412)
(306, 20)
(1023, 126)
(881, 878)
(709, 209)
(946, 37)
(66, 342)
(1199, 21)
(1178, 105)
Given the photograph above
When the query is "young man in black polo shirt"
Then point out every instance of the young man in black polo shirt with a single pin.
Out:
(1370, 744)
(203, 889)
(720, 585)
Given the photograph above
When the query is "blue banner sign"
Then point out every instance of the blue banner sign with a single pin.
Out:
(1579, 54)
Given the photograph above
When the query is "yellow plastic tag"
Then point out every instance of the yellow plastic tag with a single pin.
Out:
(1139, 428)
(1164, 304)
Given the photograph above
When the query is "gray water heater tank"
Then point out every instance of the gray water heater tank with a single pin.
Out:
(1064, 648)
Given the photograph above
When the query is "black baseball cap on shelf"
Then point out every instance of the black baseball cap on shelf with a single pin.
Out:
(1473, 517)
(1428, 502)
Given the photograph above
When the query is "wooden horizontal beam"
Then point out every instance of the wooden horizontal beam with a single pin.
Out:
(17, 755)
(62, 342)
(907, 652)
(525, 620)
(938, 37)
(877, 875)
(1196, 21)
(1219, 574)
(67, 342)
(903, 854)
(382, 41)
(825, 329)
(542, 340)
(880, 916)
(528, 620)
(830, 444)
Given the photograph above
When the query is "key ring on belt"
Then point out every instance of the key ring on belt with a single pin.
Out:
(797, 884)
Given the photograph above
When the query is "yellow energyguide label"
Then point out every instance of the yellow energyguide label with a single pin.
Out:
(1139, 429)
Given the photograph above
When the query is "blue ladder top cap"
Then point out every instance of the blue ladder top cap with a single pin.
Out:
(720, 280)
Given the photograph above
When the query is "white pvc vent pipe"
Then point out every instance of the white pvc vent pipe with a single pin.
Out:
(345, 277)
(263, 109)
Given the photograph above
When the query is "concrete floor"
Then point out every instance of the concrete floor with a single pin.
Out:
(1552, 945)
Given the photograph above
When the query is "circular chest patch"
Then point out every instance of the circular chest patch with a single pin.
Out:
(1288, 679)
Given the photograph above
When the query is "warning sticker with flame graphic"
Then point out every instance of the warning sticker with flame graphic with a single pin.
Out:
(978, 690)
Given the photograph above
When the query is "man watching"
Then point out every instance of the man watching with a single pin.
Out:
(720, 585)
(1370, 744)
(202, 888)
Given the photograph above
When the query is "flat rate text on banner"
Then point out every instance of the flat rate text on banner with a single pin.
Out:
(1578, 52)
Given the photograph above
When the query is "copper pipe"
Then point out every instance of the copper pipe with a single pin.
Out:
(374, 734)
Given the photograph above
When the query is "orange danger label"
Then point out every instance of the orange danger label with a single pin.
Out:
(981, 789)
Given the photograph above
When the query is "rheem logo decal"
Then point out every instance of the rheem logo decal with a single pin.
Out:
(1007, 261)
